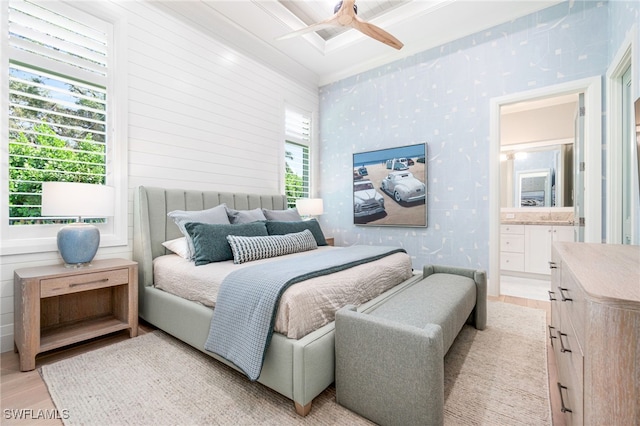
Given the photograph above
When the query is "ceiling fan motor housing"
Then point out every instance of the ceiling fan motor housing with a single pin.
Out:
(337, 8)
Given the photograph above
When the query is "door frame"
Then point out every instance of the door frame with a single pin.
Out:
(623, 59)
(592, 89)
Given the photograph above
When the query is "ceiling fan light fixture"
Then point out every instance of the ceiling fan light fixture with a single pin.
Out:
(339, 5)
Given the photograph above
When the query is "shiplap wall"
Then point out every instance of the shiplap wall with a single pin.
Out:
(200, 116)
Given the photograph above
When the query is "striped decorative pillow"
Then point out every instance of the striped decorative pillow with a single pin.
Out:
(246, 249)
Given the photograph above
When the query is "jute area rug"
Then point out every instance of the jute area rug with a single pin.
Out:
(493, 377)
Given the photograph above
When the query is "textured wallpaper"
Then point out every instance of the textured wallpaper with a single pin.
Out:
(442, 97)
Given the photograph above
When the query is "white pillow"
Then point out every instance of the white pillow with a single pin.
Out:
(215, 215)
(246, 249)
(179, 246)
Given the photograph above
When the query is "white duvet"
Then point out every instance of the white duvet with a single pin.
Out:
(304, 307)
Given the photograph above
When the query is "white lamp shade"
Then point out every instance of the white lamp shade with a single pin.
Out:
(309, 206)
(77, 199)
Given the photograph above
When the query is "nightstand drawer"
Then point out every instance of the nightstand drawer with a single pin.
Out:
(75, 283)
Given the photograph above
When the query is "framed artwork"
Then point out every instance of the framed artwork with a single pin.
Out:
(389, 186)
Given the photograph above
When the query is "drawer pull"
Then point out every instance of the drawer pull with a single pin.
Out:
(564, 298)
(552, 295)
(552, 265)
(104, 280)
(551, 336)
(562, 348)
(562, 407)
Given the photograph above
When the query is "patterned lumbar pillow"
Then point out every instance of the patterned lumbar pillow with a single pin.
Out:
(246, 249)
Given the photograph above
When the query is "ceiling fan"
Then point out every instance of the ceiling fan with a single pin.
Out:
(345, 15)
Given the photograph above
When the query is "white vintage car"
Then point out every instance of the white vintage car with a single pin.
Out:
(403, 187)
(366, 200)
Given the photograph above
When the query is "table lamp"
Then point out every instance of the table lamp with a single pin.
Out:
(77, 242)
(309, 206)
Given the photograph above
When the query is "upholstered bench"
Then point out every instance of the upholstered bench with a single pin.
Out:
(390, 360)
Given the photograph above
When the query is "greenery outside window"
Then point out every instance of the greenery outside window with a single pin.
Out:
(297, 165)
(57, 132)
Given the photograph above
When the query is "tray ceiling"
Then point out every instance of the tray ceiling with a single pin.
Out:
(253, 27)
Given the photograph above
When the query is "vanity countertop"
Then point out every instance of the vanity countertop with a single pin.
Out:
(536, 222)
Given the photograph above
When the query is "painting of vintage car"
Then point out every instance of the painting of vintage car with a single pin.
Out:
(367, 202)
(403, 187)
(393, 191)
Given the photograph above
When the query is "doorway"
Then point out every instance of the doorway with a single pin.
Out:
(623, 193)
(592, 186)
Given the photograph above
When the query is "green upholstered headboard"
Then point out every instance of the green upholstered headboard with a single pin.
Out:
(152, 226)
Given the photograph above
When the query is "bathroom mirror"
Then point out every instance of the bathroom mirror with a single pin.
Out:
(534, 188)
(537, 175)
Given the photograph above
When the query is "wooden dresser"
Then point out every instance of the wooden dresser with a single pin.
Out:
(595, 331)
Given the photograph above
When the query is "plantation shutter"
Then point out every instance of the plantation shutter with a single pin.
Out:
(66, 41)
(57, 101)
(298, 138)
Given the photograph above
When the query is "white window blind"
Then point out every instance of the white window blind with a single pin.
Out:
(63, 40)
(298, 138)
(58, 123)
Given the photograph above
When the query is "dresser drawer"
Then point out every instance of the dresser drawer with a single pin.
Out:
(512, 261)
(512, 243)
(75, 283)
(572, 400)
(572, 298)
(569, 357)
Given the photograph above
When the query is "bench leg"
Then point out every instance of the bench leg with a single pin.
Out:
(303, 410)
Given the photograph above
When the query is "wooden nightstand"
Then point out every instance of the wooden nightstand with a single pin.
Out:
(57, 306)
(330, 240)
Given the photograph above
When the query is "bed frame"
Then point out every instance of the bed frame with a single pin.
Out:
(298, 369)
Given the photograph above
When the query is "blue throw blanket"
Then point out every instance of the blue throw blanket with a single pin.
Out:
(244, 315)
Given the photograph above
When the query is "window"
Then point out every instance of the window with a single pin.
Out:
(59, 112)
(298, 134)
(57, 132)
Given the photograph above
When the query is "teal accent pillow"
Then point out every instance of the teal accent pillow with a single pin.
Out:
(275, 227)
(210, 240)
(217, 214)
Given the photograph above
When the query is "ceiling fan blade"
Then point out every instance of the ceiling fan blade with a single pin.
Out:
(345, 16)
(376, 33)
(331, 22)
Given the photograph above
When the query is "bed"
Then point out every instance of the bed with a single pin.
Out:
(299, 369)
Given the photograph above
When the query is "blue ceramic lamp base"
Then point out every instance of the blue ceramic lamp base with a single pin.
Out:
(78, 244)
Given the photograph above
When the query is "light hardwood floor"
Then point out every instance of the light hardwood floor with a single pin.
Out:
(25, 394)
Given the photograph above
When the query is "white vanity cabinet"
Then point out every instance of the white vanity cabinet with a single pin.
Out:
(512, 248)
(538, 240)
